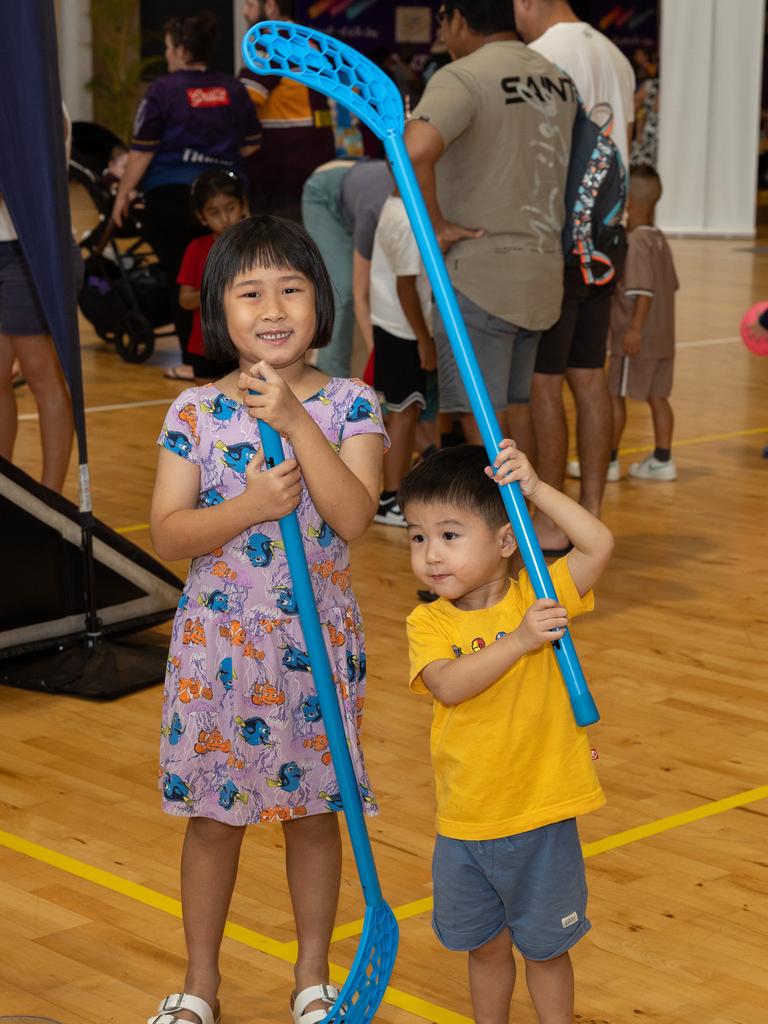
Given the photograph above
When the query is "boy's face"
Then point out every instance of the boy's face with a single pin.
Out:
(455, 552)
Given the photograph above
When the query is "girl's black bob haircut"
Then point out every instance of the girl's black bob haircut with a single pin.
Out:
(455, 476)
(214, 183)
(276, 244)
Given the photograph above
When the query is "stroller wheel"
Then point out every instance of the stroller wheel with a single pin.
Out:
(134, 338)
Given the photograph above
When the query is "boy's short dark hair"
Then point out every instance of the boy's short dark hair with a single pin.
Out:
(456, 476)
(263, 241)
(484, 16)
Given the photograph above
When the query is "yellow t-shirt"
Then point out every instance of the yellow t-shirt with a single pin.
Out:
(512, 758)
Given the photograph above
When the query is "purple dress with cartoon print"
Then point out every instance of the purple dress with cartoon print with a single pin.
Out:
(242, 732)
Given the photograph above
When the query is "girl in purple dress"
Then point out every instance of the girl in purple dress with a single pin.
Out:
(243, 736)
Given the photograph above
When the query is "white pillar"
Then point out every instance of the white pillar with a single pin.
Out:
(709, 119)
(75, 57)
(238, 32)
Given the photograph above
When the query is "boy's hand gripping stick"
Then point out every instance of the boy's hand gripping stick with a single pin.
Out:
(335, 69)
(371, 969)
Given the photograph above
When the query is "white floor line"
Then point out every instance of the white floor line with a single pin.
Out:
(709, 341)
(110, 408)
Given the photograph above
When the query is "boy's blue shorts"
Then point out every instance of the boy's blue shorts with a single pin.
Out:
(532, 884)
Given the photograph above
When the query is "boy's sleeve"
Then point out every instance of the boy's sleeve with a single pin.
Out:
(565, 588)
(180, 433)
(638, 272)
(149, 123)
(426, 643)
(405, 255)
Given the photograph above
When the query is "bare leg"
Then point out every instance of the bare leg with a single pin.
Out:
(492, 980)
(208, 872)
(619, 412)
(471, 429)
(663, 421)
(313, 866)
(551, 429)
(8, 411)
(519, 426)
(593, 412)
(426, 435)
(401, 427)
(550, 983)
(42, 369)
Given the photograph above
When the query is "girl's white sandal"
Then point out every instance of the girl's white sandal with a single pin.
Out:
(309, 995)
(171, 1005)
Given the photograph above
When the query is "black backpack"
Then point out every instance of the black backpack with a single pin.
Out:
(595, 197)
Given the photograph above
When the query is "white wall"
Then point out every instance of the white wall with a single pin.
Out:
(709, 119)
(73, 23)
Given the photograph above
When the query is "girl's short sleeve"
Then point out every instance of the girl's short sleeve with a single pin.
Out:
(180, 433)
(363, 413)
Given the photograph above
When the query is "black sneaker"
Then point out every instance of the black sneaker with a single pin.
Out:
(389, 513)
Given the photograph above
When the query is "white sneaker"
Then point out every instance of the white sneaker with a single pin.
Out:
(652, 469)
(389, 514)
(613, 473)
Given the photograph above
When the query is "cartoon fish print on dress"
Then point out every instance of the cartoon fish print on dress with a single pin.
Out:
(194, 633)
(361, 409)
(188, 414)
(320, 396)
(229, 794)
(177, 443)
(288, 777)
(320, 745)
(226, 674)
(220, 407)
(362, 666)
(223, 571)
(212, 742)
(310, 708)
(296, 660)
(266, 693)
(216, 601)
(254, 731)
(234, 632)
(211, 497)
(183, 601)
(332, 800)
(260, 549)
(176, 789)
(174, 731)
(236, 456)
(286, 602)
(193, 689)
(323, 534)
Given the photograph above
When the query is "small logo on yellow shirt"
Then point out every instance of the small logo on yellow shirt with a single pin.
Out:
(571, 919)
(478, 644)
(595, 755)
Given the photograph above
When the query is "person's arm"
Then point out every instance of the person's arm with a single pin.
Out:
(135, 169)
(425, 147)
(361, 297)
(344, 487)
(246, 151)
(633, 335)
(592, 540)
(189, 297)
(453, 681)
(408, 295)
(181, 530)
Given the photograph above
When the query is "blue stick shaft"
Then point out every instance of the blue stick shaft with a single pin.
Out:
(584, 709)
(324, 684)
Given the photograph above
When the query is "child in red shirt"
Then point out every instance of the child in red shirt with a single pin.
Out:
(218, 202)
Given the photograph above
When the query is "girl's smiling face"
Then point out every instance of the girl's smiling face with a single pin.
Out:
(270, 313)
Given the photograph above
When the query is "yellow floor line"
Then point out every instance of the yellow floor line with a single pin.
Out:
(698, 440)
(137, 527)
(286, 951)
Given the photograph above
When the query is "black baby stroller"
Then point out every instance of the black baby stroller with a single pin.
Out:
(126, 295)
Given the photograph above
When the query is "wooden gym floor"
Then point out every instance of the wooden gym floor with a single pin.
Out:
(675, 653)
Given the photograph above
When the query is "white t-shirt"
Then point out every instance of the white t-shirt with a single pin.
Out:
(600, 70)
(396, 254)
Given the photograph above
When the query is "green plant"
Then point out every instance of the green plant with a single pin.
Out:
(118, 66)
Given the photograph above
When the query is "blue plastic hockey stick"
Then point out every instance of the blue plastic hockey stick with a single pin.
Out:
(371, 969)
(331, 67)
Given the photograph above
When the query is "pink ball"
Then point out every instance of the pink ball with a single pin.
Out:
(753, 334)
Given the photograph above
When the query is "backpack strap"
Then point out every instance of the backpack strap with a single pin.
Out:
(588, 258)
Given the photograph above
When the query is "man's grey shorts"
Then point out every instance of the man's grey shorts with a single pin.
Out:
(533, 884)
(506, 354)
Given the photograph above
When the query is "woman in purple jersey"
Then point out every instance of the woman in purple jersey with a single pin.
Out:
(189, 121)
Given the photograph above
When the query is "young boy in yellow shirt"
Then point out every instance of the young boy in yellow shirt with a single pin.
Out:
(512, 768)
